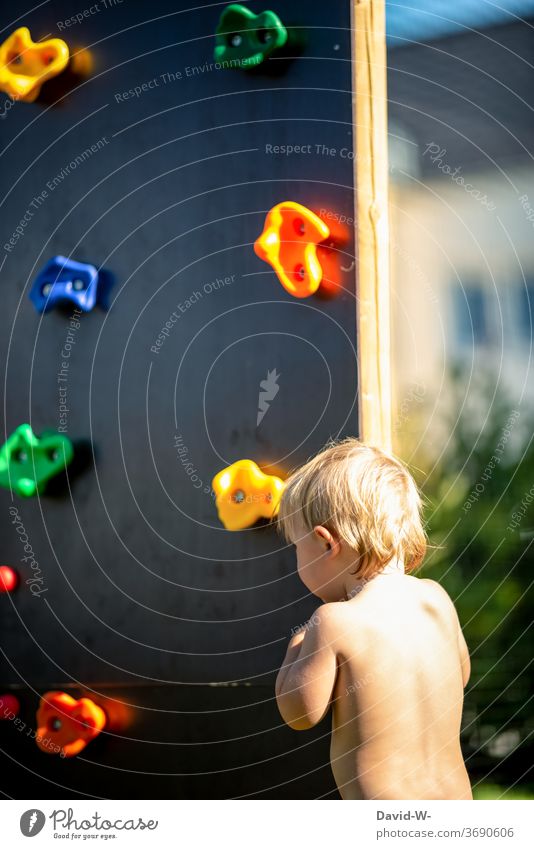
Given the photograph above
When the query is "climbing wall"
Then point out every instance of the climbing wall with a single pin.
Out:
(160, 167)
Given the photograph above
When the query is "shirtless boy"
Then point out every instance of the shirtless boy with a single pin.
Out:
(385, 651)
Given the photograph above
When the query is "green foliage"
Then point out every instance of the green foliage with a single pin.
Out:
(493, 791)
(479, 494)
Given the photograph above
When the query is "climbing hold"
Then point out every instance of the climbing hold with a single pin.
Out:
(289, 243)
(25, 64)
(8, 579)
(64, 279)
(65, 726)
(244, 494)
(9, 706)
(243, 39)
(27, 462)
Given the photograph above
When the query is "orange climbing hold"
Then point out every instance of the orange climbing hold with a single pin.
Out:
(289, 243)
(65, 726)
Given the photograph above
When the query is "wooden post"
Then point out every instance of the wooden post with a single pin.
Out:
(371, 186)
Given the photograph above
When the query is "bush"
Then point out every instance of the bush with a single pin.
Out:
(479, 494)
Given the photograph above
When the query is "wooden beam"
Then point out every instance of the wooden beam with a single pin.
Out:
(369, 66)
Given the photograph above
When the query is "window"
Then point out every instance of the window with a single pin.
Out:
(526, 309)
(470, 315)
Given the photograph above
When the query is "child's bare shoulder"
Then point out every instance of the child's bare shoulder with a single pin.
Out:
(396, 600)
(330, 620)
(367, 613)
(440, 596)
(329, 617)
(340, 621)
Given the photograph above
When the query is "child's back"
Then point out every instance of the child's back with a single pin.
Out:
(398, 695)
(385, 651)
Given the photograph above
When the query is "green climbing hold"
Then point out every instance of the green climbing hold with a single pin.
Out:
(27, 462)
(243, 39)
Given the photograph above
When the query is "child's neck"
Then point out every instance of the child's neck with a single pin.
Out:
(354, 585)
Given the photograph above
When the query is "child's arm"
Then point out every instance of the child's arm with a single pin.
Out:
(464, 656)
(292, 653)
(462, 645)
(306, 679)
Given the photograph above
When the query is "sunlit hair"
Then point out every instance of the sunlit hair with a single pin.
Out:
(362, 495)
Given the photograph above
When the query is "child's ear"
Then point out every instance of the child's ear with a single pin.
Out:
(327, 539)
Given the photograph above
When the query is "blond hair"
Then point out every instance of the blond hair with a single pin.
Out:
(365, 497)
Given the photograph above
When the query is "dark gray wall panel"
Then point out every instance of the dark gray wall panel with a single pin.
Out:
(143, 585)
